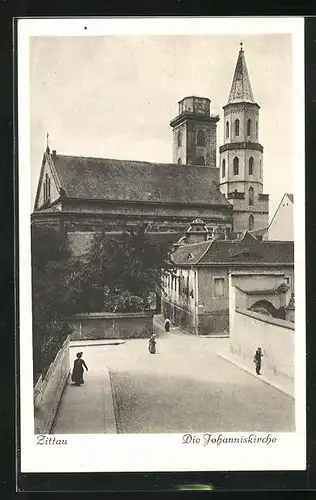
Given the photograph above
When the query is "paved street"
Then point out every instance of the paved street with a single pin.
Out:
(184, 387)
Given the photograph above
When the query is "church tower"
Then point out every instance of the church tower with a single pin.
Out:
(194, 133)
(241, 156)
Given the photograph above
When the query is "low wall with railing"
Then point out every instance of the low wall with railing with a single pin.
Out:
(48, 391)
(97, 326)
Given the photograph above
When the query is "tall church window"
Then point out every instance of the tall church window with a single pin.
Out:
(251, 222)
(260, 169)
(223, 168)
(249, 127)
(179, 139)
(201, 138)
(200, 160)
(251, 194)
(179, 161)
(251, 165)
(227, 130)
(237, 127)
(46, 188)
(256, 130)
(236, 165)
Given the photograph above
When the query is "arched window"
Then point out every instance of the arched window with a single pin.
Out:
(200, 160)
(251, 165)
(179, 139)
(236, 165)
(223, 168)
(251, 222)
(249, 127)
(201, 138)
(227, 130)
(179, 161)
(256, 130)
(237, 127)
(251, 196)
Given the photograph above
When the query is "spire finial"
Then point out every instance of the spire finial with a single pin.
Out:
(47, 143)
(241, 46)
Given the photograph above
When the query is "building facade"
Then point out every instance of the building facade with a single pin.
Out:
(196, 290)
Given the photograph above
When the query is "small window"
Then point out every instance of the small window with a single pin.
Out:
(227, 130)
(251, 165)
(200, 160)
(219, 287)
(288, 280)
(251, 222)
(251, 195)
(249, 127)
(236, 165)
(190, 256)
(179, 161)
(179, 139)
(237, 127)
(201, 138)
(223, 168)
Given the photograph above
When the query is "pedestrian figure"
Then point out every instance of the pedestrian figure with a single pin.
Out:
(167, 325)
(152, 344)
(257, 360)
(77, 372)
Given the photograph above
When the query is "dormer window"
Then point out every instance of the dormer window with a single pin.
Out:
(190, 256)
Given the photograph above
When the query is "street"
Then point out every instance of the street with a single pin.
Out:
(185, 387)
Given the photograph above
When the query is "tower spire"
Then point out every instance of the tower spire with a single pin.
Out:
(241, 90)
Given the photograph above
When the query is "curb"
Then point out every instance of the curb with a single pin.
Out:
(236, 362)
(92, 343)
(108, 410)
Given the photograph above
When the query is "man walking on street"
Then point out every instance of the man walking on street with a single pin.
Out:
(257, 360)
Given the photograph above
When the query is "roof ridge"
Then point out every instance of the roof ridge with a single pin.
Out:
(136, 161)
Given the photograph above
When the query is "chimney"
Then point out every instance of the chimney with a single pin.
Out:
(54, 154)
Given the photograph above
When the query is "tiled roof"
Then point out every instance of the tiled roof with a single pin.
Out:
(109, 179)
(190, 254)
(247, 250)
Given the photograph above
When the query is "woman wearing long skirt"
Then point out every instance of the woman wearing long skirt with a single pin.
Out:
(77, 372)
(167, 325)
(152, 344)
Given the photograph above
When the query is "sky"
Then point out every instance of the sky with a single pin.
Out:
(114, 96)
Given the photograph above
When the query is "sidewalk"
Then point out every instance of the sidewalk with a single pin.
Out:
(280, 382)
(87, 409)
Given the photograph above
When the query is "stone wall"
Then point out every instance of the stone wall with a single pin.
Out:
(97, 326)
(250, 330)
(49, 389)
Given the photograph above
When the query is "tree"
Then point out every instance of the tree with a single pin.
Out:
(52, 268)
(122, 271)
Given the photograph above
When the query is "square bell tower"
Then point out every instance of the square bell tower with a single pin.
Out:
(194, 132)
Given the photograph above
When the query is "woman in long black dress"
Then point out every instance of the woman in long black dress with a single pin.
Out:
(152, 344)
(77, 372)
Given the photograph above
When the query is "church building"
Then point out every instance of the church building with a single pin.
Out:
(81, 195)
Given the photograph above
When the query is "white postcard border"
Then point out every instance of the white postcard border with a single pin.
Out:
(163, 452)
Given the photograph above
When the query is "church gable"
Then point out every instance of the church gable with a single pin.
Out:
(48, 186)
